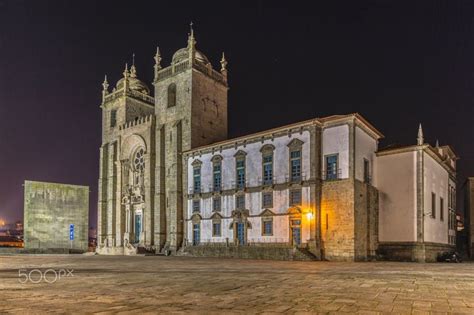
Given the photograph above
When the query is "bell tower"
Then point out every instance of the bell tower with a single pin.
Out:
(191, 111)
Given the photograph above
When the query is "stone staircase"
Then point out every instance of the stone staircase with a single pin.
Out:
(303, 254)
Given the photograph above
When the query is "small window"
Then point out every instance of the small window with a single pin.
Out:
(295, 197)
(216, 229)
(433, 205)
(172, 95)
(366, 171)
(267, 199)
(441, 209)
(240, 202)
(196, 206)
(267, 226)
(216, 204)
(113, 118)
(331, 167)
(197, 179)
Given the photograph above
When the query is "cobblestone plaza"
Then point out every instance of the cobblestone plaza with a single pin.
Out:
(151, 284)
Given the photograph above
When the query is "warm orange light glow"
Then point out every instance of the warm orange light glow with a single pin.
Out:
(2, 223)
(309, 215)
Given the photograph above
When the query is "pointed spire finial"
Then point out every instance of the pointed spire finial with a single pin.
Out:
(125, 72)
(191, 39)
(223, 63)
(105, 84)
(437, 143)
(157, 65)
(224, 67)
(133, 70)
(158, 57)
(105, 88)
(420, 139)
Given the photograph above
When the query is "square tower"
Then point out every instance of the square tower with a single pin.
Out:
(191, 111)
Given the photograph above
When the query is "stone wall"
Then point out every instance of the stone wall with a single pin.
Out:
(412, 251)
(366, 221)
(337, 216)
(49, 210)
(273, 252)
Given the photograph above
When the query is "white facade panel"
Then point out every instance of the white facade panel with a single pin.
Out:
(365, 148)
(436, 180)
(336, 141)
(396, 182)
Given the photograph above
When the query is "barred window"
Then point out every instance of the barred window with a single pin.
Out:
(216, 204)
(216, 229)
(267, 199)
(197, 179)
(295, 197)
(196, 206)
(267, 226)
(240, 201)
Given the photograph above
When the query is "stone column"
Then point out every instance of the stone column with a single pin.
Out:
(102, 197)
(111, 186)
(147, 209)
(173, 189)
(160, 188)
(128, 226)
(315, 191)
(119, 224)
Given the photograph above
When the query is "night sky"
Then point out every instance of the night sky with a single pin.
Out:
(397, 63)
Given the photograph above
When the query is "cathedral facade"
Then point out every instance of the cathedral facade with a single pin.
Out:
(171, 181)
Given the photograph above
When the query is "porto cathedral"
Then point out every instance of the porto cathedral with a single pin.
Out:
(172, 182)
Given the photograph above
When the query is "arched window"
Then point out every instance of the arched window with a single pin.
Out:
(171, 95)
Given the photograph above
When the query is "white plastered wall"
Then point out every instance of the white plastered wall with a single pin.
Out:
(336, 141)
(436, 180)
(395, 178)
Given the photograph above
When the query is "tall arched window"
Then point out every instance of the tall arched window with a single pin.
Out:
(171, 95)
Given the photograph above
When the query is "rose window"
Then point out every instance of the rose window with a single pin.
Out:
(139, 160)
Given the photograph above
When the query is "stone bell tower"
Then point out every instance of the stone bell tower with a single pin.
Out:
(191, 111)
(126, 187)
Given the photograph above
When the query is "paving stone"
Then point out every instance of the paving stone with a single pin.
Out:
(183, 285)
